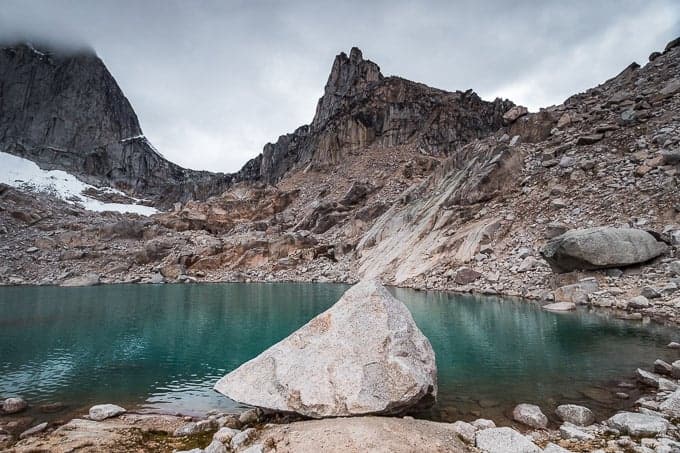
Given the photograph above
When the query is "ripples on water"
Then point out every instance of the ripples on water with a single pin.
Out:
(163, 347)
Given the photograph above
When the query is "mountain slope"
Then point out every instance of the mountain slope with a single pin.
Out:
(64, 110)
(361, 108)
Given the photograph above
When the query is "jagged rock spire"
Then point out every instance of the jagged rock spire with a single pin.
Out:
(349, 76)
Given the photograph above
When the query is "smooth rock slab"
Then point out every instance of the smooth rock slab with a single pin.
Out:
(638, 425)
(560, 306)
(601, 247)
(103, 411)
(573, 413)
(504, 440)
(530, 415)
(365, 355)
(359, 435)
(35, 430)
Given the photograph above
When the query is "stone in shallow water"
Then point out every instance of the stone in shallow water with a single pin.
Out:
(638, 425)
(560, 306)
(35, 430)
(530, 415)
(104, 411)
(364, 355)
(504, 440)
(573, 413)
(14, 405)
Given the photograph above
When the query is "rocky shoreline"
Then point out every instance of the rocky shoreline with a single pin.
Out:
(402, 364)
(651, 426)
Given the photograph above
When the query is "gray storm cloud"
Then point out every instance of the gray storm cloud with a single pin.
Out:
(213, 81)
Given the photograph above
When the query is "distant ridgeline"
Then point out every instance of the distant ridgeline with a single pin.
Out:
(64, 110)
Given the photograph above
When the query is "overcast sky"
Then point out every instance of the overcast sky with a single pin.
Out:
(213, 81)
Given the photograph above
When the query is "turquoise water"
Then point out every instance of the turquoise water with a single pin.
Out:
(162, 347)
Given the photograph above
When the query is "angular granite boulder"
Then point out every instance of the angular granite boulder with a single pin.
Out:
(364, 355)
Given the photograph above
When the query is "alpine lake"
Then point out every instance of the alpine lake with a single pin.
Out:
(161, 348)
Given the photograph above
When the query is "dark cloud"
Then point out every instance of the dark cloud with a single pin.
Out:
(212, 81)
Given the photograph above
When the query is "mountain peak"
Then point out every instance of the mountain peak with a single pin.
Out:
(349, 76)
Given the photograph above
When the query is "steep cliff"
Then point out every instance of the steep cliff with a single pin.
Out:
(64, 110)
(360, 107)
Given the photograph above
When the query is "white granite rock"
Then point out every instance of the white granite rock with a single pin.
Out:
(504, 440)
(365, 355)
(104, 411)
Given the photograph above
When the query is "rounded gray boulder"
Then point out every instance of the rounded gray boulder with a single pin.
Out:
(601, 247)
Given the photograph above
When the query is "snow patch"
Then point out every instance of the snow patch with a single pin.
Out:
(24, 174)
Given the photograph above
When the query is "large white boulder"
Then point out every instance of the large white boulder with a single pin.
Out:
(364, 355)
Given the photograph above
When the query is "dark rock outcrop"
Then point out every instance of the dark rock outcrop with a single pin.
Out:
(64, 110)
(360, 107)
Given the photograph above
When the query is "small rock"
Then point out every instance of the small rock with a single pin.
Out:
(35, 430)
(465, 431)
(83, 280)
(504, 440)
(483, 423)
(514, 113)
(675, 369)
(673, 345)
(575, 414)
(215, 447)
(103, 411)
(14, 405)
(650, 293)
(554, 448)
(241, 438)
(225, 435)
(647, 378)
(571, 431)
(527, 264)
(589, 139)
(638, 425)
(465, 276)
(191, 428)
(638, 302)
(671, 406)
(662, 367)
(560, 306)
(249, 417)
(530, 415)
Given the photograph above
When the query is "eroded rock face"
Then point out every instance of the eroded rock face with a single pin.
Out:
(365, 355)
(601, 247)
(361, 107)
(64, 110)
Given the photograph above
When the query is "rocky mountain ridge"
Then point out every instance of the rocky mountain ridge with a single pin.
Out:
(472, 213)
(64, 110)
(361, 108)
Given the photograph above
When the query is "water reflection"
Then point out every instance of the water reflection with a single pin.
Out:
(163, 347)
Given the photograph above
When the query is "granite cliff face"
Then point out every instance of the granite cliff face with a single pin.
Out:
(64, 110)
(360, 107)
